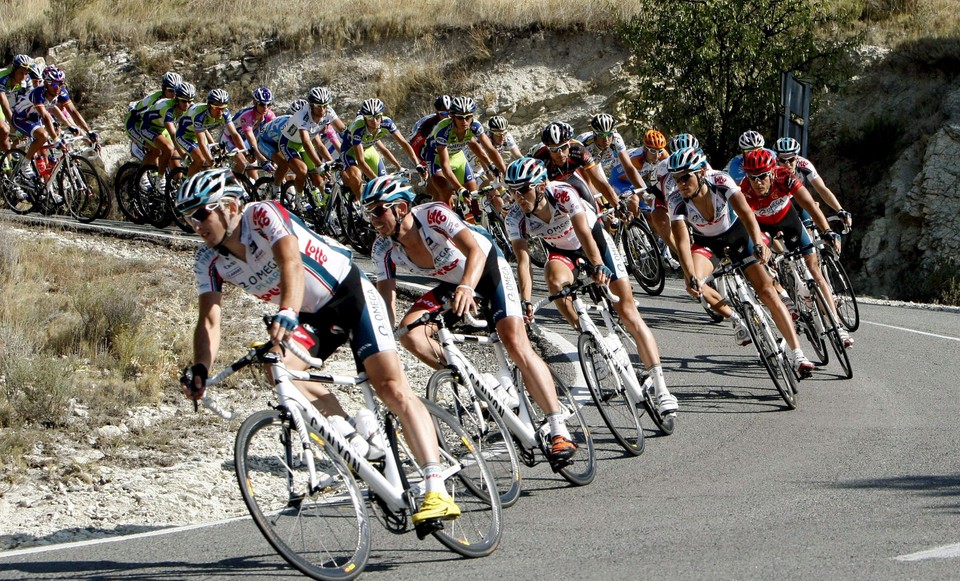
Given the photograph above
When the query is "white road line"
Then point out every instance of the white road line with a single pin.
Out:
(944, 552)
(912, 331)
(115, 539)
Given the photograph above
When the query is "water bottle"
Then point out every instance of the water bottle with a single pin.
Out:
(367, 426)
(349, 433)
(497, 390)
(42, 166)
(511, 398)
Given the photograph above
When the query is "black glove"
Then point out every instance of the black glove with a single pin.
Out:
(194, 371)
(73, 129)
(93, 136)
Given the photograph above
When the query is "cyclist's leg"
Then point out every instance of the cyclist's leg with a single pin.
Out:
(352, 176)
(558, 272)
(420, 341)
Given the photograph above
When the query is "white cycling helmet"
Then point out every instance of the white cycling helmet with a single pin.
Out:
(603, 123)
(751, 140)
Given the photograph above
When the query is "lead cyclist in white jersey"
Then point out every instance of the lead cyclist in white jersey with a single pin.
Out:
(431, 240)
(323, 299)
(572, 233)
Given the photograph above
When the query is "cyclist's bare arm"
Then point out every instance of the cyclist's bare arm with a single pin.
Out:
(630, 170)
(740, 206)
(806, 201)
(388, 290)
(5, 105)
(385, 152)
(76, 116)
(237, 141)
(493, 154)
(524, 280)
(399, 138)
(255, 154)
(48, 120)
(362, 163)
(308, 147)
(286, 253)
(585, 236)
(467, 244)
(826, 193)
(321, 149)
(598, 181)
(684, 254)
(481, 155)
(443, 158)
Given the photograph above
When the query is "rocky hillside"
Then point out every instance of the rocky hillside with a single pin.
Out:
(906, 208)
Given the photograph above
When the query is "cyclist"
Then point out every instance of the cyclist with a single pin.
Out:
(194, 126)
(567, 160)
(160, 121)
(506, 145)
(157, 145)
(361, 160)
(431, 240)
(249, 121)
(575, 239)
(711, 203)
(450, 172)
(323, 298)
(424, 126)
(300, 143)
(788, 155)
(750, 140)
(12, 79)
(773, 192)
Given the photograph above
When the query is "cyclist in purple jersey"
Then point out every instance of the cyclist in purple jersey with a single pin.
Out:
(249, 121)
(12, 79)
(432, 240)
(324, 301)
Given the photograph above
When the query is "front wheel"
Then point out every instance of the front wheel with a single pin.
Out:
(773, 359)
(16, 188)
(832, 331)
(84, 194)
(484, 426)
(643, 256)
(616, 405)
(846, 300)
(471, 484)
(324, 533)
(175, 179)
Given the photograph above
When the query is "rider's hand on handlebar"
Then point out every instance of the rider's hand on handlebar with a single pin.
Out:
(762, 252)
(193, 382)
(601, 274)
(693, 287)
(463, 300)
(527, 312)
(833, 239)
(282, 324)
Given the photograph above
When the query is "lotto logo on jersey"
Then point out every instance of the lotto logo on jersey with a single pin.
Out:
(260, 218)
(436, 217)
(315, 252)
(563, 197)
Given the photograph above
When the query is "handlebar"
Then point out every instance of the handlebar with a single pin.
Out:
(435, 315)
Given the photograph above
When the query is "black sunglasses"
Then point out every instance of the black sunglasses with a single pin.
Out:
(680, 178)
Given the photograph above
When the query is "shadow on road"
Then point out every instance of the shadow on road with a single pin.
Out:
(943, 487)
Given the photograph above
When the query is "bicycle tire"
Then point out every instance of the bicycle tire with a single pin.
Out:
(487, 429)
(11, 179)
(325, 533)
(262, 189)
(770, 355)
(175, 178)
(848, 311)
(832, 331)
(497, 229)
(643, 256)
(361, 233)
(807, 329)
(582, 469)
(82, 189)
(478, 529)
(615, 404)
(121, 191)
(537, 251)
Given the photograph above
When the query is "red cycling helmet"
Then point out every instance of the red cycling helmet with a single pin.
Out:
(759, 161)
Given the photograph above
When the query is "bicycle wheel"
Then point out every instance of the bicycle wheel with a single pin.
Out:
(15, 188)
(666, 424)
(583, 465)
(616, 406)
(175, 178)
(847, 310)
(484, 427)
(643, 256)
(361, 233)
(537, 251)
(832, 331)
(122, 189)
(774, 360)
(324, 533)
(82, 189)
(262, 189)
(477, 531)
(498, 230)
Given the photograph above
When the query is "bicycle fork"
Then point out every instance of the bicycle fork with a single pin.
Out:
(627, 375)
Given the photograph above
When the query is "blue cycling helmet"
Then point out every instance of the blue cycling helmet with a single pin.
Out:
(54, 74)
(525, 171)
(683, 141)
(686, 159)
(208, 187)
(786, 147)
(390, 188)
(262, 96)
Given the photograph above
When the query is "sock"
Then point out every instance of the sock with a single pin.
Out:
(659, 384)
(557, 426)
(432, 477)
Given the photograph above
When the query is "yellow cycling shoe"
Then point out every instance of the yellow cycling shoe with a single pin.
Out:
(436, 505)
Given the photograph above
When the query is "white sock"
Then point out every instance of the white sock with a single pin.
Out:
(557, 426)
(432, 477)
(659, 384)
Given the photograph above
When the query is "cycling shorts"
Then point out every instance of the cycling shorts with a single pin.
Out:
(150, 134)
(267, 146)
(497, 285)
(27, 125)
(357, 313)
(736, 240)
(460, 166)
(794, 234)
(290, 150)
(612, 258)
(186, 144)
(370, 155)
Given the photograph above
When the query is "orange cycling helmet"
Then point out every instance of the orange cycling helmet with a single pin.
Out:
(653, 139)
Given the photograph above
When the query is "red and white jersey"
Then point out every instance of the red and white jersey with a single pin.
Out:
(564, 202)
(326, 264)
(438, 225)
(772, 207)
(805, 170)
(720, 187)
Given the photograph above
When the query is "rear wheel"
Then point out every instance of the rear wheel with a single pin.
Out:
(324, 533)
(832, 332)
(485, 427)
(643, 256)
(175, 179)
(617, 408)
(121, 190)
(477, 531)
(17, 190)
(846, 300)
(82, 189)
(537, 251)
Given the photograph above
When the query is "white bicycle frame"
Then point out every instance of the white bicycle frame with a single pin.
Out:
(388, 485)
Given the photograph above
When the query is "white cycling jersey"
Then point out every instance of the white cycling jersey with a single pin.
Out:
(608, 157)
(721, 188)
(437, 225)
(326, 264)
(564, 202)
(302, 119)
(806, 170)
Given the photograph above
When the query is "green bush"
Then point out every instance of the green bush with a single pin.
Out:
(106, 311)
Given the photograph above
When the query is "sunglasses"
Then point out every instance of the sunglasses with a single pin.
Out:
(372, 117)
(218, 107)
(498, 133)
(522, 190)
(606, 134)
(682, 177)
(790, 159)
(266, 105)
(373, 213)
(182, 100)
(202, 213)
(558, 148)
(54, 85)
(760, 176)
(463, 117)
(656, 152)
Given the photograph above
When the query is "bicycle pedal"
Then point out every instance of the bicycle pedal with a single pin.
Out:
(428, 527)
(558, 464)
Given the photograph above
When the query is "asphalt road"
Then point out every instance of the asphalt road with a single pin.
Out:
(861, 481)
